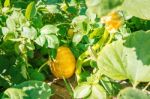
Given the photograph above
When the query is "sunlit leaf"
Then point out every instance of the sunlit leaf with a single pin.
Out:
(14, 93)
(29, 33)
(140, 9)
(11, 24)
(81, 91)
(7, 3)
(97, 92)
(52, 8)
(77, 38)
(52, 41)
(127, 60)
(5, 30)
(40, 40)
(49, 29)
(102, 7)
(30, 10)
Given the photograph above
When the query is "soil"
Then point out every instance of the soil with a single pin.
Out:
(60, 90)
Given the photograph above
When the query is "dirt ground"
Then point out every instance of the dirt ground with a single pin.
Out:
(60, 90)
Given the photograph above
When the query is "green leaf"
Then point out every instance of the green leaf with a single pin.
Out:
(72, 10)
(28, 90)
(7, 3)
(30, 45)
(35, 75)
(81, 91)
(97, 92)
(140, 9)
(14, 93)
(89, 91)
(52, 41)
(127, 60)
(49, 29)
(29, 33)
(40, 40)
(130, 93)
(102, 7)
(81, 24)
(77, 38)
(48, 36)
(52, 9)
(30, 10)
(5, 30)
(11, 24)
(12, 69)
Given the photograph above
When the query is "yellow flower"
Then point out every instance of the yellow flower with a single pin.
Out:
(112, 21)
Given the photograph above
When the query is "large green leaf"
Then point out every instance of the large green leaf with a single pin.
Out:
(138, 8)
(102, 7)
(130, 93)
(127, 60)
(28, 90)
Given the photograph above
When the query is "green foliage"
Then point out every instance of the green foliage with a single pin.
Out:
(7, 3)
(31, 31)
(102, 7)
(127, 60)
(48, 36)
(140, 8)
(27, 90)
(30, 10)
(89, 91)
(130, 93)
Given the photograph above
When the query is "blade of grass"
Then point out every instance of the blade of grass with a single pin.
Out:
(68, 87)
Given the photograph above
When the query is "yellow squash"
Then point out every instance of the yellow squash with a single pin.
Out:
(64, 64)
